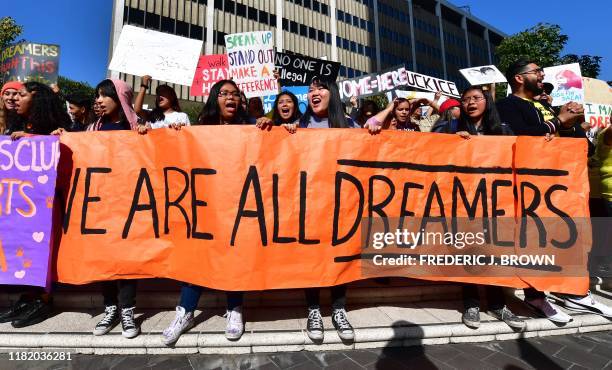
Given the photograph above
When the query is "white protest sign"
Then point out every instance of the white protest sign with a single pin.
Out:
(483, 75)
(163, 56)
(250, 58)
(597, 116)
(567, 82)
(376, 83)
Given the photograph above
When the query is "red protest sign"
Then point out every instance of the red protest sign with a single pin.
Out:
(211, 68)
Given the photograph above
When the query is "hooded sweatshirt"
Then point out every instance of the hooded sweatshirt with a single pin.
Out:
(125, 94)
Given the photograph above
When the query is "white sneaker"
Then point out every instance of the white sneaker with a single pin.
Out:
(587, 304)
(235, 326)
(546, 309)
(182, 322)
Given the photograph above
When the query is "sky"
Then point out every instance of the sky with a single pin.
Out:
(82, 28)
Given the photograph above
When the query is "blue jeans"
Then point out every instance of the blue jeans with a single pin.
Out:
(190, 295)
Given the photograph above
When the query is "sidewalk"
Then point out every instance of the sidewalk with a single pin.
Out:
(577, 351)
(281, 329)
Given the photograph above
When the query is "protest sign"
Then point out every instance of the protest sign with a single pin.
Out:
(29, 61)
(269, 210)
(598, 117)
(211, 68)
(300, 92)
(163, 56)
(299, 70)
(27, 190)
(567, 82)
(597, 91)
(483, 75)
(410, 95)
(390, 79)
(251, 62)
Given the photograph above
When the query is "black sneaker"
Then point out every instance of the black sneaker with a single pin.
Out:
(33, 313)
(513, 321)
(314, 325)
(13, 312)
(342, 325)
(130, 329)
(471, 317)
(110, 319)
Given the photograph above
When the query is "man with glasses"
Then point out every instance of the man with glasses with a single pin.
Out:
(529, 117)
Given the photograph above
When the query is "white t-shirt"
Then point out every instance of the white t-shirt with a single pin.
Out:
(170, 118)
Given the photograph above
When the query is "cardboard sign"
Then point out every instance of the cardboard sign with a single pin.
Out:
(29, 61)
(483, 75)
(163, 56)
(390, 79)
(597, 91)
(211, 68)
(251, 62)
(567, 82)
(238, 208)
(27, 190)
(297, 70)
(300, 92)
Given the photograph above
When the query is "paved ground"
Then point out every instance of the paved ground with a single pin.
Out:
(590, 351)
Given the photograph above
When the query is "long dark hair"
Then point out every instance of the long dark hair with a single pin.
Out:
(276, 118)
(107, 88)
(47, 113)
(362, 118)
(491, 123)
(211, 115)
(335, 110)
(157, 114)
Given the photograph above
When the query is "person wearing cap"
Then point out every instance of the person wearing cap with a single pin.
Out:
(10, 94)
(450, 111)
(426, 121)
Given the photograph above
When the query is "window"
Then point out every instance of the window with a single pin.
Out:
(303, 30)
(328, 37)
(312, 33)
(273, 20)
(167, 25)
(136, 16)
(355, 21)
(342, 70)
(285, 24)
(152, 21)
(360, 49)
(263, 17)
(363, 23)
(252, 14)
(353, 46)
(340, 14)
(345, 44)
(230, 6)
(307, 3)
(293, 27)
(316, 6)
(182, 28)
(321, 36)
(241, 10)
(219, 4)
(196, 32)
(324, 9)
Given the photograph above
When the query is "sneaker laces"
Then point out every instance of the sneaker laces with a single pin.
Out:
(341, 319)
(109, 313)
(314, 319)
(127, 317)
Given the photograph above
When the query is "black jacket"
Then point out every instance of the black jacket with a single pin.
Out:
(523, 117)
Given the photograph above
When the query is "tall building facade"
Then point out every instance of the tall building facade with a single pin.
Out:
(432, 37)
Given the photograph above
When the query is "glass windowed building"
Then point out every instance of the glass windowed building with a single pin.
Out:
(432, 37)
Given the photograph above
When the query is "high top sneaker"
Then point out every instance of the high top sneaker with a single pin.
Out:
(130, 329)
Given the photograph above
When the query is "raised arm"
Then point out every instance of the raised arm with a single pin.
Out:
(144, 86)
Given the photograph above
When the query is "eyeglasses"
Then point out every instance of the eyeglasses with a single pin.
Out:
(536, 71)
(474, 99)
(226, 94)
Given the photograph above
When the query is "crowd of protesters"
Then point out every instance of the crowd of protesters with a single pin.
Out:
(35, 109)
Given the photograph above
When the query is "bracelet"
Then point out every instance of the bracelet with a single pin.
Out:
(145, 86)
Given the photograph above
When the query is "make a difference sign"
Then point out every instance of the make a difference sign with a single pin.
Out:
(250, 58)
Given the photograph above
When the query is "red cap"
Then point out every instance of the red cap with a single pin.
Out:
(11, 85)
(448, 104)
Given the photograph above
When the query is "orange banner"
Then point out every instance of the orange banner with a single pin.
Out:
(236, 208)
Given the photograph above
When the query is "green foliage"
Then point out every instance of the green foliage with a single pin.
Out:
(589, 65)
(543, 44)
(9, 31)
(380, 100)
(70, 87)
(193, 110)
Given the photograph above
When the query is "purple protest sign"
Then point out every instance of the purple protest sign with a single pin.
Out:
(28, 169)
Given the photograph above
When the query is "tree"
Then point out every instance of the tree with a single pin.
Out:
(543, 44)
(9, 31)
(70, 87)
(589, 65)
